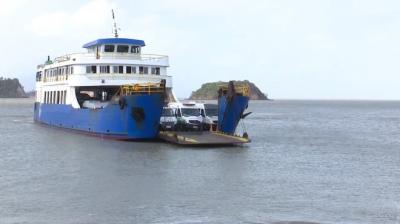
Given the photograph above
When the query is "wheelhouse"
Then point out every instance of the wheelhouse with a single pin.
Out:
(115, 45)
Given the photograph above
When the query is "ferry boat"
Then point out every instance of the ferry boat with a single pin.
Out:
(112, 90)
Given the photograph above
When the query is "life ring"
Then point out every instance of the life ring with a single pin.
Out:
(122, 103)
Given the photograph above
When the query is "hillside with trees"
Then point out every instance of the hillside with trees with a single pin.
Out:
(209, 91)
(11, 88)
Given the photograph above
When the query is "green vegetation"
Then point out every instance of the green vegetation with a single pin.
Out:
(209, 91)
(11, 88)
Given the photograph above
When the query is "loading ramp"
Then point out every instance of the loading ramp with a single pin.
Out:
(201, 138)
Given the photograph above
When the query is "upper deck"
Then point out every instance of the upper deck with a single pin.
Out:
(110, 51)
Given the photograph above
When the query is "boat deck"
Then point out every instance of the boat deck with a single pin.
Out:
(205, 138)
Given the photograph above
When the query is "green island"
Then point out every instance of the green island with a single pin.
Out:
(209, 91)
(11, 88)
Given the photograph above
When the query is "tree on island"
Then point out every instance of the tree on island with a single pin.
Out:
(209, 91)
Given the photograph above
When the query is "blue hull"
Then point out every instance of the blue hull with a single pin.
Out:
(138, 119)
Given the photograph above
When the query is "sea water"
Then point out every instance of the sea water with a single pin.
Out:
(308, 162)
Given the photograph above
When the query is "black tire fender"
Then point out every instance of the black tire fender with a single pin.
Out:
(122, 103)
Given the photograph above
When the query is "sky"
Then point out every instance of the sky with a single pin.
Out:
(291, 49)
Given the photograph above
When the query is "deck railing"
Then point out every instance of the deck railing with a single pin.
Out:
(141, 57)
(74, 56)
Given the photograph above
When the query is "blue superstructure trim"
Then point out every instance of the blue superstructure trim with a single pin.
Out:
(115, 41)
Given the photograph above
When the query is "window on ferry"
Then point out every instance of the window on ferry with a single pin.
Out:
(72, 70)
(105, 69)
(135, 49)
(37, 76)
(115, 69)
(65, 96)
(91, 69)
(143, 70)
(109, 48)
(155, 70)
(128, 69)
(134, 69)
(122, 48)
(62, 97)
(120, 69)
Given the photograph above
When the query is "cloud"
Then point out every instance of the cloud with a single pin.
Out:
(291, 48)
(91, 17)
(9, 7)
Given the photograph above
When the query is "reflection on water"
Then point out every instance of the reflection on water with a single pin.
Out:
(309, 162)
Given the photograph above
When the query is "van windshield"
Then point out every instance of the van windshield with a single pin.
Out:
(212, 112)
(187, 112)
(167, 112)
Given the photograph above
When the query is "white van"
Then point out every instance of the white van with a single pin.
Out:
(185, 116)
(168, 118)
(211, 112)
(193, 115)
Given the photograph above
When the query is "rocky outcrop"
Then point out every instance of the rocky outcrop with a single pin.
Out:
(209, 91)
(11, 88)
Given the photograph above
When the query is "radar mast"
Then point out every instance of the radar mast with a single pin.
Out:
(115, 28)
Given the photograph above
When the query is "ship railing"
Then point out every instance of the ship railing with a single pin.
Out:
(148, 88)
(243, 89)
(141, 57)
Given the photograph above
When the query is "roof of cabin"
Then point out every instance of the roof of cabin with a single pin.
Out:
(114, 41)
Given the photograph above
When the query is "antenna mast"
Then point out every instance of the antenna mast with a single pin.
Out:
(115, 24)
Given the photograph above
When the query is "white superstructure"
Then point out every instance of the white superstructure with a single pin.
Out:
(107, 62)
